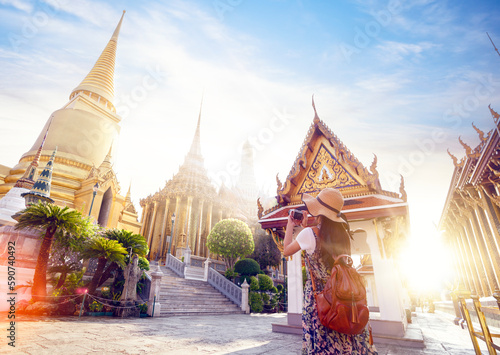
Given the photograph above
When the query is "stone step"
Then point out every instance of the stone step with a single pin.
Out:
(179, 296)
(193, 302)
(195, 313)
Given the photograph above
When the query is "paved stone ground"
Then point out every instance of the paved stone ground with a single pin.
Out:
(229, 334)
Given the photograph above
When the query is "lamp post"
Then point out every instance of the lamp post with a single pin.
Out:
(172, 234)
(94, 192)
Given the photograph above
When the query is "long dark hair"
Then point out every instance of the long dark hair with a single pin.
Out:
(334, 240)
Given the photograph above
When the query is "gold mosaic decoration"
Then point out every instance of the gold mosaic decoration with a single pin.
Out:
(326, 171)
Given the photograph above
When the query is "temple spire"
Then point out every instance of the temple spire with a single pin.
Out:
(100, 79)
(196, 144)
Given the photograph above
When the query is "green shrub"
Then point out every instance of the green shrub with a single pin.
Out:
(265, 283)
(274, 289)
(254, 284)
(230, 274)
(143, 263)
(279, 287)
(247, 266)
(256, 304)
(265, 298)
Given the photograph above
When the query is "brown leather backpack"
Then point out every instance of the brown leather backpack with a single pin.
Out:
(342, 303)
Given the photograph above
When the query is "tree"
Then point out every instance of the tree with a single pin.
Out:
(266, 253)
(135, 244)
(53, 221)
(103, 250)
(231, 239)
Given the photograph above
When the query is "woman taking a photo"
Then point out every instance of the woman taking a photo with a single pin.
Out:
(329, 238)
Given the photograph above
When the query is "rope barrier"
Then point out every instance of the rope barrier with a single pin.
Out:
(105, 304)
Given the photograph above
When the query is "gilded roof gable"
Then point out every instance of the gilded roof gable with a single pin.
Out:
(324, 161)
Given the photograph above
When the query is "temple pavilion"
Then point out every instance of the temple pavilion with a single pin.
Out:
(83, 130)
(379, 219)
(470, 221)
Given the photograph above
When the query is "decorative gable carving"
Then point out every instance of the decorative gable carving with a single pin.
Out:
(326, 171)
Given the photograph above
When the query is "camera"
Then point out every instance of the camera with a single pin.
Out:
(296, 214)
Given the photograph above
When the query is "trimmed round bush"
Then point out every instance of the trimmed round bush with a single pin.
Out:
(256, 304)
(247, 266)
(265, 283)
(279, 287)
(274, 289)
(254, 283)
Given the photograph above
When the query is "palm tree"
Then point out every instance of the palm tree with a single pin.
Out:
(134, 243)
(104, 250)
(50, 219)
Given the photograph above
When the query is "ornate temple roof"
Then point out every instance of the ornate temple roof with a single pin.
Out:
(480, 165)
(100, 79)
(324, 161)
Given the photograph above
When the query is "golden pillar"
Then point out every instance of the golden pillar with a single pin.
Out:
(144, 221)
(188, 223)
(200, 229)
(476, 256)
(464, 270)
(493, 220)
(164, 223)
(151, 230)
(468, 252)
(177, 227)
(208, 226)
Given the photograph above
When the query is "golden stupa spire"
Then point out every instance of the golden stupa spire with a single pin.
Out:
(100, 79)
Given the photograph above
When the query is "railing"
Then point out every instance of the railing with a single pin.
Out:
(485, 334)
(144, 293)
(224, 286)
(175, 265)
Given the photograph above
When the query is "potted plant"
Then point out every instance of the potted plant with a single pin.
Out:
(95, 309)
(143, 308)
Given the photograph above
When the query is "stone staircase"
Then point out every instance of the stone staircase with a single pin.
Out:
(180, 297)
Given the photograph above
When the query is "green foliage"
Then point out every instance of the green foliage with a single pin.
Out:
(247, 266)
(265, 283)
(265, 298)
(231, 239)
(95, 306)
(134, 243)
(266, 253)
(254, 284)
(111, 250)
(256, 303)
(143, 308)
(230, 274)
(274, 289)
(61, 224)
(105, 292)
(279, 287)
(143, 263)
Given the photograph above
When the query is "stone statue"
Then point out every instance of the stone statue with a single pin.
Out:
(132, 274)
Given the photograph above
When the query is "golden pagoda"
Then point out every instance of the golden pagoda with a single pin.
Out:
(84, 130)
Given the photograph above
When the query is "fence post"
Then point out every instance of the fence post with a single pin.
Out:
(154, 292)
(245, 307)
(207, 263)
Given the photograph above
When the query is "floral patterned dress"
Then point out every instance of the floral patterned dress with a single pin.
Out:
(318, 339)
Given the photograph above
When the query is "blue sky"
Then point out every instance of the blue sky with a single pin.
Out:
(399, 79)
